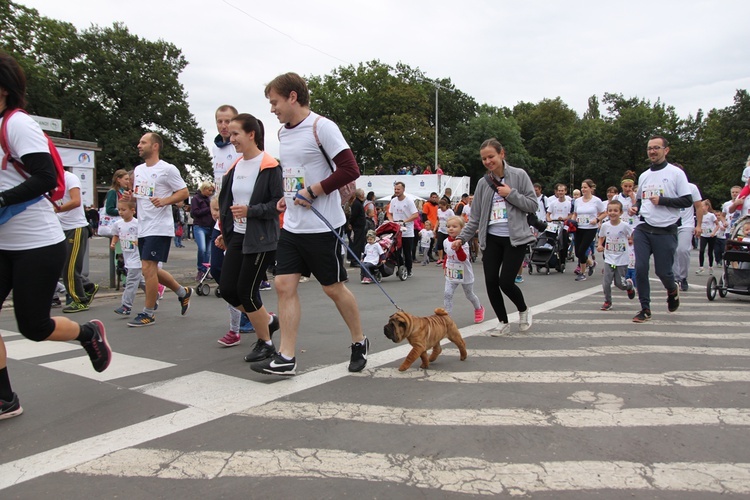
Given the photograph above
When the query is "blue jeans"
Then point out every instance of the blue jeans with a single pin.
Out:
(202, 237)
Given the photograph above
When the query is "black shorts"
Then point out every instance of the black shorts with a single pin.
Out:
(318, 254)
(155, 248)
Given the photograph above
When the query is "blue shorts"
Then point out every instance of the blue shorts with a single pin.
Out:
(154, 248)
(318, 254)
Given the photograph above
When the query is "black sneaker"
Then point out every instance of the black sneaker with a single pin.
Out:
(260, 351)
(359, 356)
(276, 365)
(98, 348)
(273, 326)
(185, 301)
(684, 285)
(10, 409)
(643, 316)
(673, 300)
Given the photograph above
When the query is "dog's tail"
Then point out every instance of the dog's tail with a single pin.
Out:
(441, 312)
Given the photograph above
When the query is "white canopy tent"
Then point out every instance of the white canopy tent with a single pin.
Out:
(417, 185)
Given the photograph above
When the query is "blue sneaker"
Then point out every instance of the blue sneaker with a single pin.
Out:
(245, 325)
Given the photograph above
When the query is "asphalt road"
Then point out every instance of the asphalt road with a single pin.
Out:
(585, 405)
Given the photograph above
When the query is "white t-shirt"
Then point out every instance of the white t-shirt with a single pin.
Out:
(425, 237)
(303, 164)
(587, 211)
(688, 214)
(402, 210)
(627, 202)
(222, 158)
(455, 270)
(372, 252)
(245, 174)
(466, 212)
(72, 219)
(128, 234)
(615, 242)
(559, 209)
(37, 226)
(708, 224)
(161, 181)
(443, 220)
(669, 181)
(541, 211)
(745, 175)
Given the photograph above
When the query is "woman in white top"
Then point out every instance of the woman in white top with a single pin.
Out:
(709, 227)
(32, 246)
(588, 211)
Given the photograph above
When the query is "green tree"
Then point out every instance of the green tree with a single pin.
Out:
(107, 85)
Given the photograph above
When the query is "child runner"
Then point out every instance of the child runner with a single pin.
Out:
(614, 237)
(426, 237)
(443, 213)
(458, 269)
(372, 257)
(709, 227)
(125, 231)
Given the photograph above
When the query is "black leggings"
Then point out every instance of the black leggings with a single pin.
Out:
(501, 262)
(584, 238)
(32, 275)
(241, 275)
(701, 256)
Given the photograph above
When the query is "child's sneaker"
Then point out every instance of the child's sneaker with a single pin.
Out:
(479, 315)
(185, 301)
(366, 280)
(581, 277)
(142, 319)
(631, 289)
(519, 278)
(591, 268)
(123, 311)
(160, 291)
(606, 306)
(230, 339)
(699, 271)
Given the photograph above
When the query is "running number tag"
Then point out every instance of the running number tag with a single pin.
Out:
(499, 210)
(454, 271)
(650, 191)
(706, 231)
(616, 245)
(552, 227)
(144, 188)
(127, 244)
(294, 180)
(584, 219)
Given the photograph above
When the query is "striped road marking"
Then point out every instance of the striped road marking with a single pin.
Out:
(455, 474)
(593, 351)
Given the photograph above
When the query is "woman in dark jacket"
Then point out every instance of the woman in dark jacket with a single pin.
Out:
(250, 228)
(200, 210)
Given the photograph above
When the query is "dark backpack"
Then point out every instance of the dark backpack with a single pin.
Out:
(59, 191)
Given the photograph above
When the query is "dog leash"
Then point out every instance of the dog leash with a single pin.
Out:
(349, 250)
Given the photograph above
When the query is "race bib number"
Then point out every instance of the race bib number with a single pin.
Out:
(127, 244)
(584, 219)
(240, 220)
(706, 231)
(144, 188)
(616, 245)
(499, 211)
(652, 191)
(454, 271)
(294, 180)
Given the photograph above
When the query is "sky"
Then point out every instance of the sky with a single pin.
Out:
(689, 54)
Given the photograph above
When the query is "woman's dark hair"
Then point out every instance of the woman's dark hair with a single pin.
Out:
(251, 124)
(590, 184)
(629, 175)
(492, 143)
(13, 80)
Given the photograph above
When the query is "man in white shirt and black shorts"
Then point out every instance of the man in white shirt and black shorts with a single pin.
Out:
(306, 244)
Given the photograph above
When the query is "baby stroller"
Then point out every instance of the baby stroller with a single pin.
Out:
(202, 288)
(735, 276)
(549, 251)
(389, 238)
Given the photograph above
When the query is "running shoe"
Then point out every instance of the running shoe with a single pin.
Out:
(519, 278)
(631, 288)
(479, 315)
(123, 311)
(606, 306)
(303, 279)
(199, 276)
(10, 409)
(276, 365)
(97, 348)
(160, 291)
(366, 280)
(245, 325)
(358, 359)
(56, 302)
(524, 320)
(673, 300)
(75, 307)
(642, 316)
(501, 330)
(577, 270)
(699, 271)
(90, 296)
(591, 268)
(684, 285)
(581, 277)
(265, 285)
(185, 301)
(711, 271)
(274, 325)
(142, 319)
(260, 351)
(230, 339)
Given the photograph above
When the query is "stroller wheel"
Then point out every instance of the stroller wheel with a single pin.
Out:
(199, 290)
(402, 273)
(378, 276)
(205, 289)
(722, 288)
(548, 270)
(531, 269)
(711, 287)
(217, 292)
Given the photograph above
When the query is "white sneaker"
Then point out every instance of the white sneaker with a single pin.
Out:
(501, 330)
(699, 271)
(524, 320)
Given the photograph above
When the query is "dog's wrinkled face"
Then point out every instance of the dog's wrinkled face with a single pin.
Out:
(398, 326)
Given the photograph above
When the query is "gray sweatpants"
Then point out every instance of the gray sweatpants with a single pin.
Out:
(618, 273)
(681, 265)
(134, 282)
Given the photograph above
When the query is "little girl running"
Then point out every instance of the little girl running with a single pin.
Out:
(458, 269)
